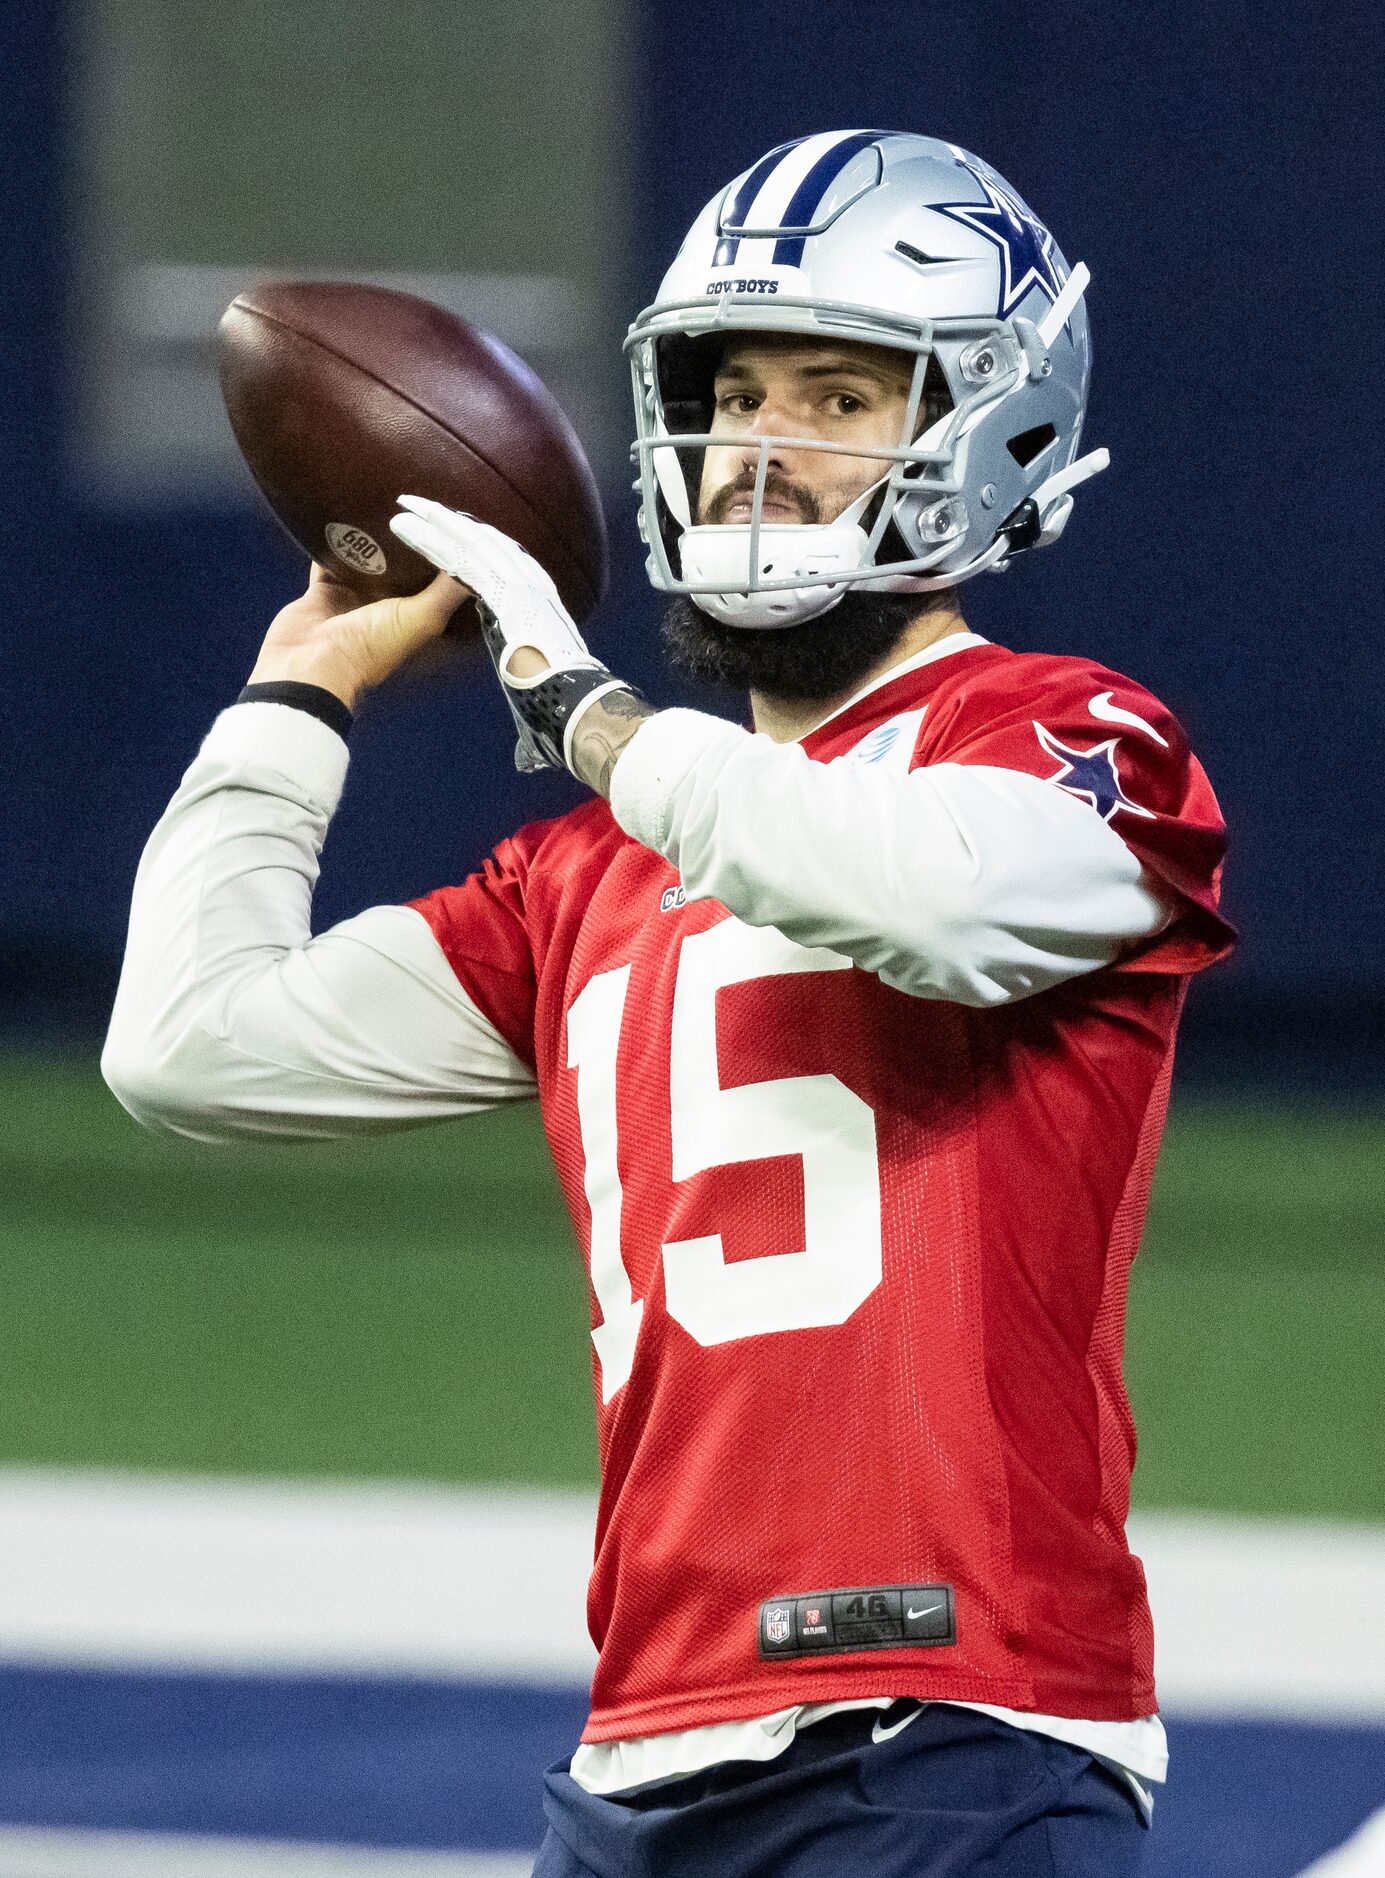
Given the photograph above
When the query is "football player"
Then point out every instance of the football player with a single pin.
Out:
(852, 1035)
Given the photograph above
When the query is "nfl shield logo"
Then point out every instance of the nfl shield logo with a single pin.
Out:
(777, 1624)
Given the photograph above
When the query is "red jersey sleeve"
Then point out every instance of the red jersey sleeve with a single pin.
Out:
(481, 927)
(1112, 745)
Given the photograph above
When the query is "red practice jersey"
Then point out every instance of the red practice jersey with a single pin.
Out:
(858, 1259)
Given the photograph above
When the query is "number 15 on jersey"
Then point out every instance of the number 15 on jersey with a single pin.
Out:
(828, 1126)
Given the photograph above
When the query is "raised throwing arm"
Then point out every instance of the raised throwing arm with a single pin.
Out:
(963, 881)
(231, 1019)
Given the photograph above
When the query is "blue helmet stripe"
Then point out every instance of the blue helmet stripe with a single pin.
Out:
(734, 213)
(803, 206)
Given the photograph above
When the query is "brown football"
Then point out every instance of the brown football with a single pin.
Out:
(345, 397)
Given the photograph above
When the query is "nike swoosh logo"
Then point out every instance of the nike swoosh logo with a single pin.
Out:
(877, 1733)
(1109, 713)
(927, 1610)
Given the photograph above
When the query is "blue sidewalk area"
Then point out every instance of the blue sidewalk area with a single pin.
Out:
(370, 1761)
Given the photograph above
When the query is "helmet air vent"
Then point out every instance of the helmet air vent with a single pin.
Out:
(1031, 443)
(911, 253)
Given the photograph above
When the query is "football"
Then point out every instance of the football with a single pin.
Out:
(344, 397)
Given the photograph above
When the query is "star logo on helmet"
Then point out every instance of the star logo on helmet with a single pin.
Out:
(1090, 774)
(1026, 247)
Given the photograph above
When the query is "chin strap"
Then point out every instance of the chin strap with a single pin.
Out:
(1050, 505)
(1038, 520)
(1077, 472)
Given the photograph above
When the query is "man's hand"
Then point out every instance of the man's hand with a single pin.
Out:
(328, 637)
(568, 708)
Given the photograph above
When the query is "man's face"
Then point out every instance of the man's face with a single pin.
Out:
(771, 385)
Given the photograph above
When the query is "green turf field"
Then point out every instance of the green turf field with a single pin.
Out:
(414, 1306)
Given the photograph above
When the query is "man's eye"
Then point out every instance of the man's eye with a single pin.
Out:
(846, 404)
(738, 403)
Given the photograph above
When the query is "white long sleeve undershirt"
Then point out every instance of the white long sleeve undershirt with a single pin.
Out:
(957, 881)
(965, 882)
(231, 1019)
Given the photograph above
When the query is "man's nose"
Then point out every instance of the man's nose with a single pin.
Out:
(770, 420)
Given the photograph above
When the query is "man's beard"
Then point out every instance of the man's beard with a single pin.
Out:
(815, 662)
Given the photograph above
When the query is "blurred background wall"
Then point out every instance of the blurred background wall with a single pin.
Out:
(225, 1621)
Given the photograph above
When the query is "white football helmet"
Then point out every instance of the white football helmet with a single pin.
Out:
(887, 239)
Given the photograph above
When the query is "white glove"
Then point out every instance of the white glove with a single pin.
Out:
(520, 607)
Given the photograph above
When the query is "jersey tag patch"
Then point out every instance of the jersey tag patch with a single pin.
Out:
(891, 744)
(869, 1617)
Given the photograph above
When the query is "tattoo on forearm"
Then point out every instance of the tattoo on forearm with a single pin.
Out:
(603, 733)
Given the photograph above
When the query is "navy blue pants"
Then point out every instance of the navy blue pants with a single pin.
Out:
(954, 1793)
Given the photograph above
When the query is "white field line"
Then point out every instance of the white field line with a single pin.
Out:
(270, 1575)
(1252, 1617)
(1262, 1617)
(45, 1852)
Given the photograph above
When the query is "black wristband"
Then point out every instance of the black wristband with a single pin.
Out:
(316, 700)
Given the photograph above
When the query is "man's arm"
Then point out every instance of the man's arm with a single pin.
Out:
(231, 1019)
(971, 882)
(960, 881)
(603, 733)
